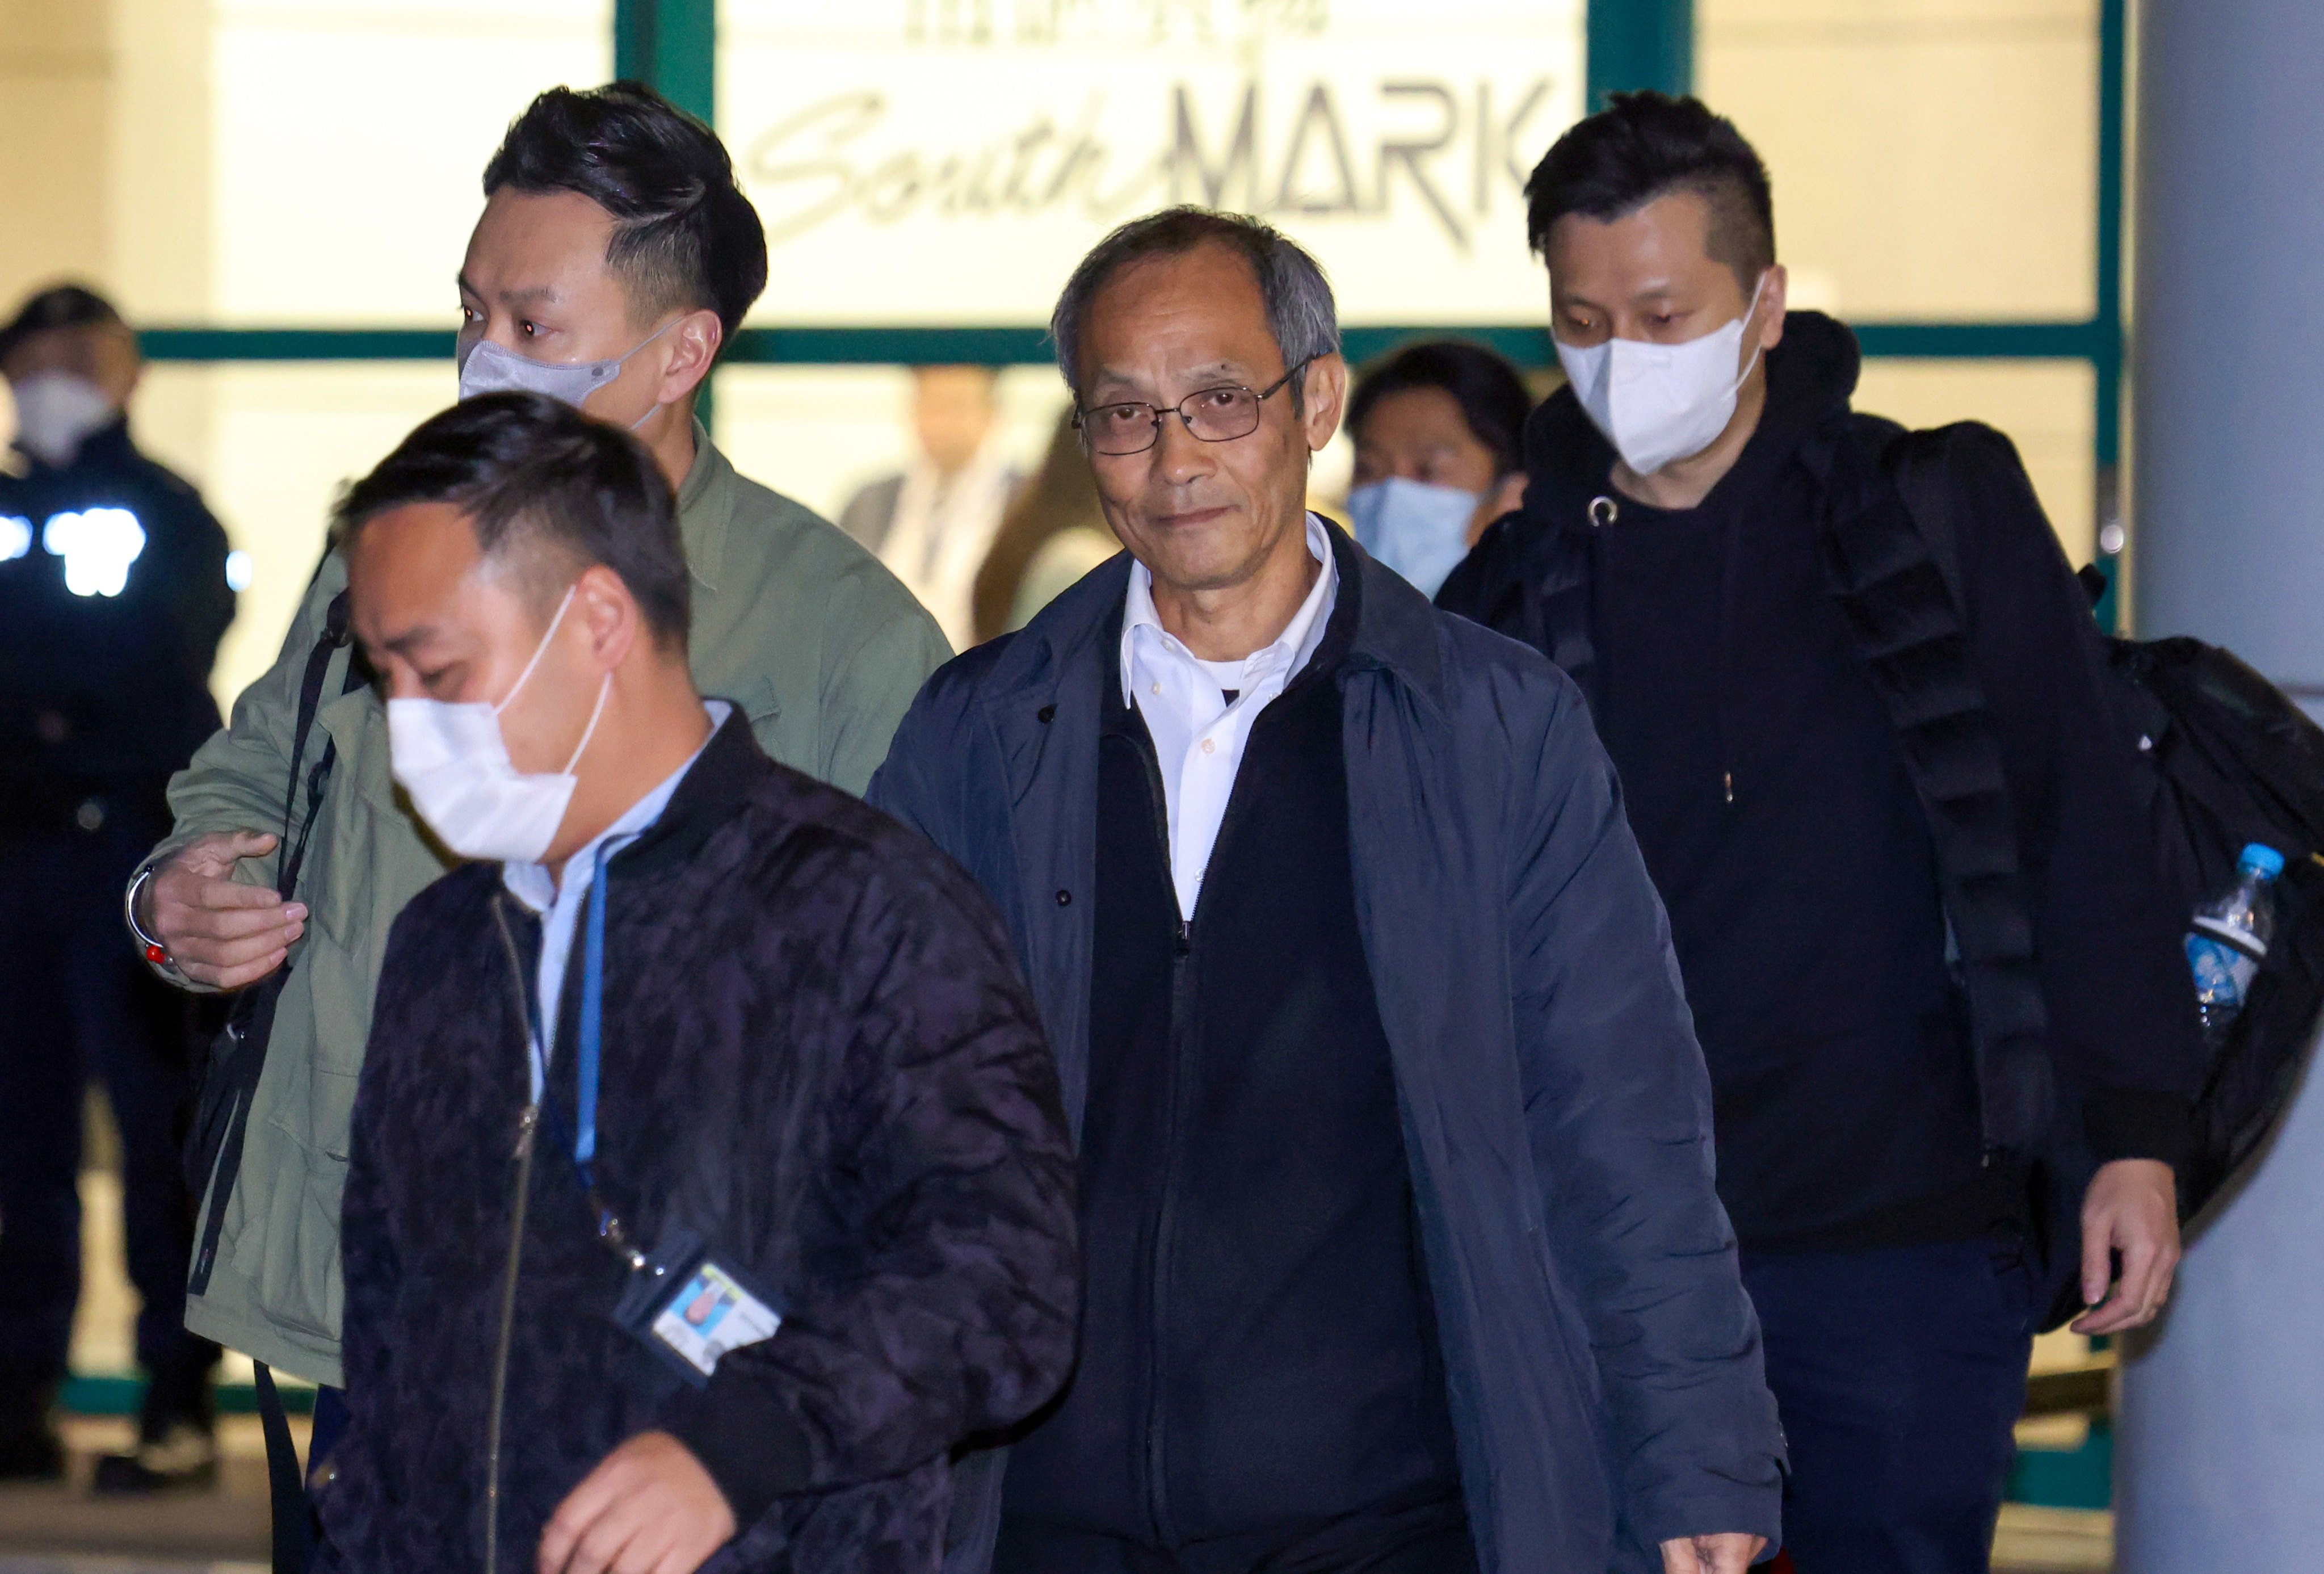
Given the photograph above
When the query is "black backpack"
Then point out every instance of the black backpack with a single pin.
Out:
(2226, 759)
(2223, 759)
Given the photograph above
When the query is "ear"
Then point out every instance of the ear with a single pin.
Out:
(693, 341)
(1774, 301)
(607, 617)
(1323, 388)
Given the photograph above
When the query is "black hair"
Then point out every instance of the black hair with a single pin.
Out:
(538, 480)
(1297, 298)
(1645, 146)
(1491, 394)
(58, 306)
(685, 237)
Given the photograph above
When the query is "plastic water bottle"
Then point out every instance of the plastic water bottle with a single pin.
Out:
(2229, 939)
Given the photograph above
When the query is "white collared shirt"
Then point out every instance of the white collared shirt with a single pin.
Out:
(1198, 737)
(560, 902)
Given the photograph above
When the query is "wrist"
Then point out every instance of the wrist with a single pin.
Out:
(137, 912)
(2131, 1122)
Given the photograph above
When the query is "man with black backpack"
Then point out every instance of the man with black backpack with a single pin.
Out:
(1851, 689)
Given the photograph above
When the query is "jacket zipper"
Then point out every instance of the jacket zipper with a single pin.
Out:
(527, 1122)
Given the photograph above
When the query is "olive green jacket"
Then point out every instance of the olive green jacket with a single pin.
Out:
(820, 646)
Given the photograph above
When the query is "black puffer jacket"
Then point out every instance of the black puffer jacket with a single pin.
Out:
(819, 1055)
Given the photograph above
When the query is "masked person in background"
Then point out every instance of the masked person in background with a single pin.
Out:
(614, 258)
(1439, 429)
(113, 593)
(1874, 777)
(790, 1208)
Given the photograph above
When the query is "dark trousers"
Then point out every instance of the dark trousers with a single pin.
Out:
(1899, 1374)
(1427, 1536)
(78, 1003)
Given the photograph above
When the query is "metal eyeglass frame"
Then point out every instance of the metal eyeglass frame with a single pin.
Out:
(1260, 396)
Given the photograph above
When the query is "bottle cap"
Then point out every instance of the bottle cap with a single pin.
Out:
(2259, 855)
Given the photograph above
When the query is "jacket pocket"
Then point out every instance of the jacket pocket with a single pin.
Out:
(298, 1277)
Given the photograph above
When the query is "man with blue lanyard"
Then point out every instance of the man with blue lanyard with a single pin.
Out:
(709, 1181)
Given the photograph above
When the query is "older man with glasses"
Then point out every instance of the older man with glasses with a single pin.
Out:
(1402, 1252)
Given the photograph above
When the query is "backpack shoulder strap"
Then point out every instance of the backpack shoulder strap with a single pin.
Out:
(1919, 466)
(335, 637)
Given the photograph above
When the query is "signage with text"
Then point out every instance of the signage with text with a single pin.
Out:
(948, 161)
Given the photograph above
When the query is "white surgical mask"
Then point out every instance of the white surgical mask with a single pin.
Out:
(454, 761)
(491, 368)
(1419, 529)
(1660, 402)
(56, 412)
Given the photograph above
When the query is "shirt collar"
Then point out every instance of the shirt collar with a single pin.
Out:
(1297, 642)
(535, 887)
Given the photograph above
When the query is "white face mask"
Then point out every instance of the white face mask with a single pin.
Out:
(1656, 402)
(454, 761)
(490, 368)
(56, 412)
(1419, 529)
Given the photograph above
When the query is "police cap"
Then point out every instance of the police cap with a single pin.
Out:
(61, 306)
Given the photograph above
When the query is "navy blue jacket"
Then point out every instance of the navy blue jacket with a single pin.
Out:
(106, 680)
(818, 1058)
(1602, 1363)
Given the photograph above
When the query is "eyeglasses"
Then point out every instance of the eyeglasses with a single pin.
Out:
(1219, 414)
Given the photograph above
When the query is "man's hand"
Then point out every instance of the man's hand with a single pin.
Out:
(2132, 1207)
(648, 1508)
(1729, 1553)
(217, 931)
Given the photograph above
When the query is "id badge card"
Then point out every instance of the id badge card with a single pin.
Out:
(690, 1307)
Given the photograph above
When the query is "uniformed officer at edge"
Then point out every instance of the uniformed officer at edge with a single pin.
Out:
(113, 593)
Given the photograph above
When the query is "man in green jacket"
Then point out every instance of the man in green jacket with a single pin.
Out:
(615, 258)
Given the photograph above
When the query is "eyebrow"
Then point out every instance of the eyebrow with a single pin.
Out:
(544, 292)
(1657, 289)
(405, 643)
(1198, 376)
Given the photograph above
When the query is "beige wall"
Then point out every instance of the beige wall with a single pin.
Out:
(1934, 159)
(56, 95)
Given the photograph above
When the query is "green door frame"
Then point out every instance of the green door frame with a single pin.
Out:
(674, 46)
(1630, 44)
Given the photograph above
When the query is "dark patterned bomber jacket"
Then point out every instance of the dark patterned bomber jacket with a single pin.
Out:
(818, 1055)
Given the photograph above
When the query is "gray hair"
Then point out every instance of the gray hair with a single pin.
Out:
(1300, 311)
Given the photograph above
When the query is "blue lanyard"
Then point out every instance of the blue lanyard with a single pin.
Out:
(583, 1146)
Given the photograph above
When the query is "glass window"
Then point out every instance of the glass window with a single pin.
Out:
(820, 433)
(270, 446)
(2046, 407)
(349, 137)
(1932, 159)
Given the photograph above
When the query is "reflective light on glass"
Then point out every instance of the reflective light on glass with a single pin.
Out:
(97, 545)
(237, 570)
(15, 537)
